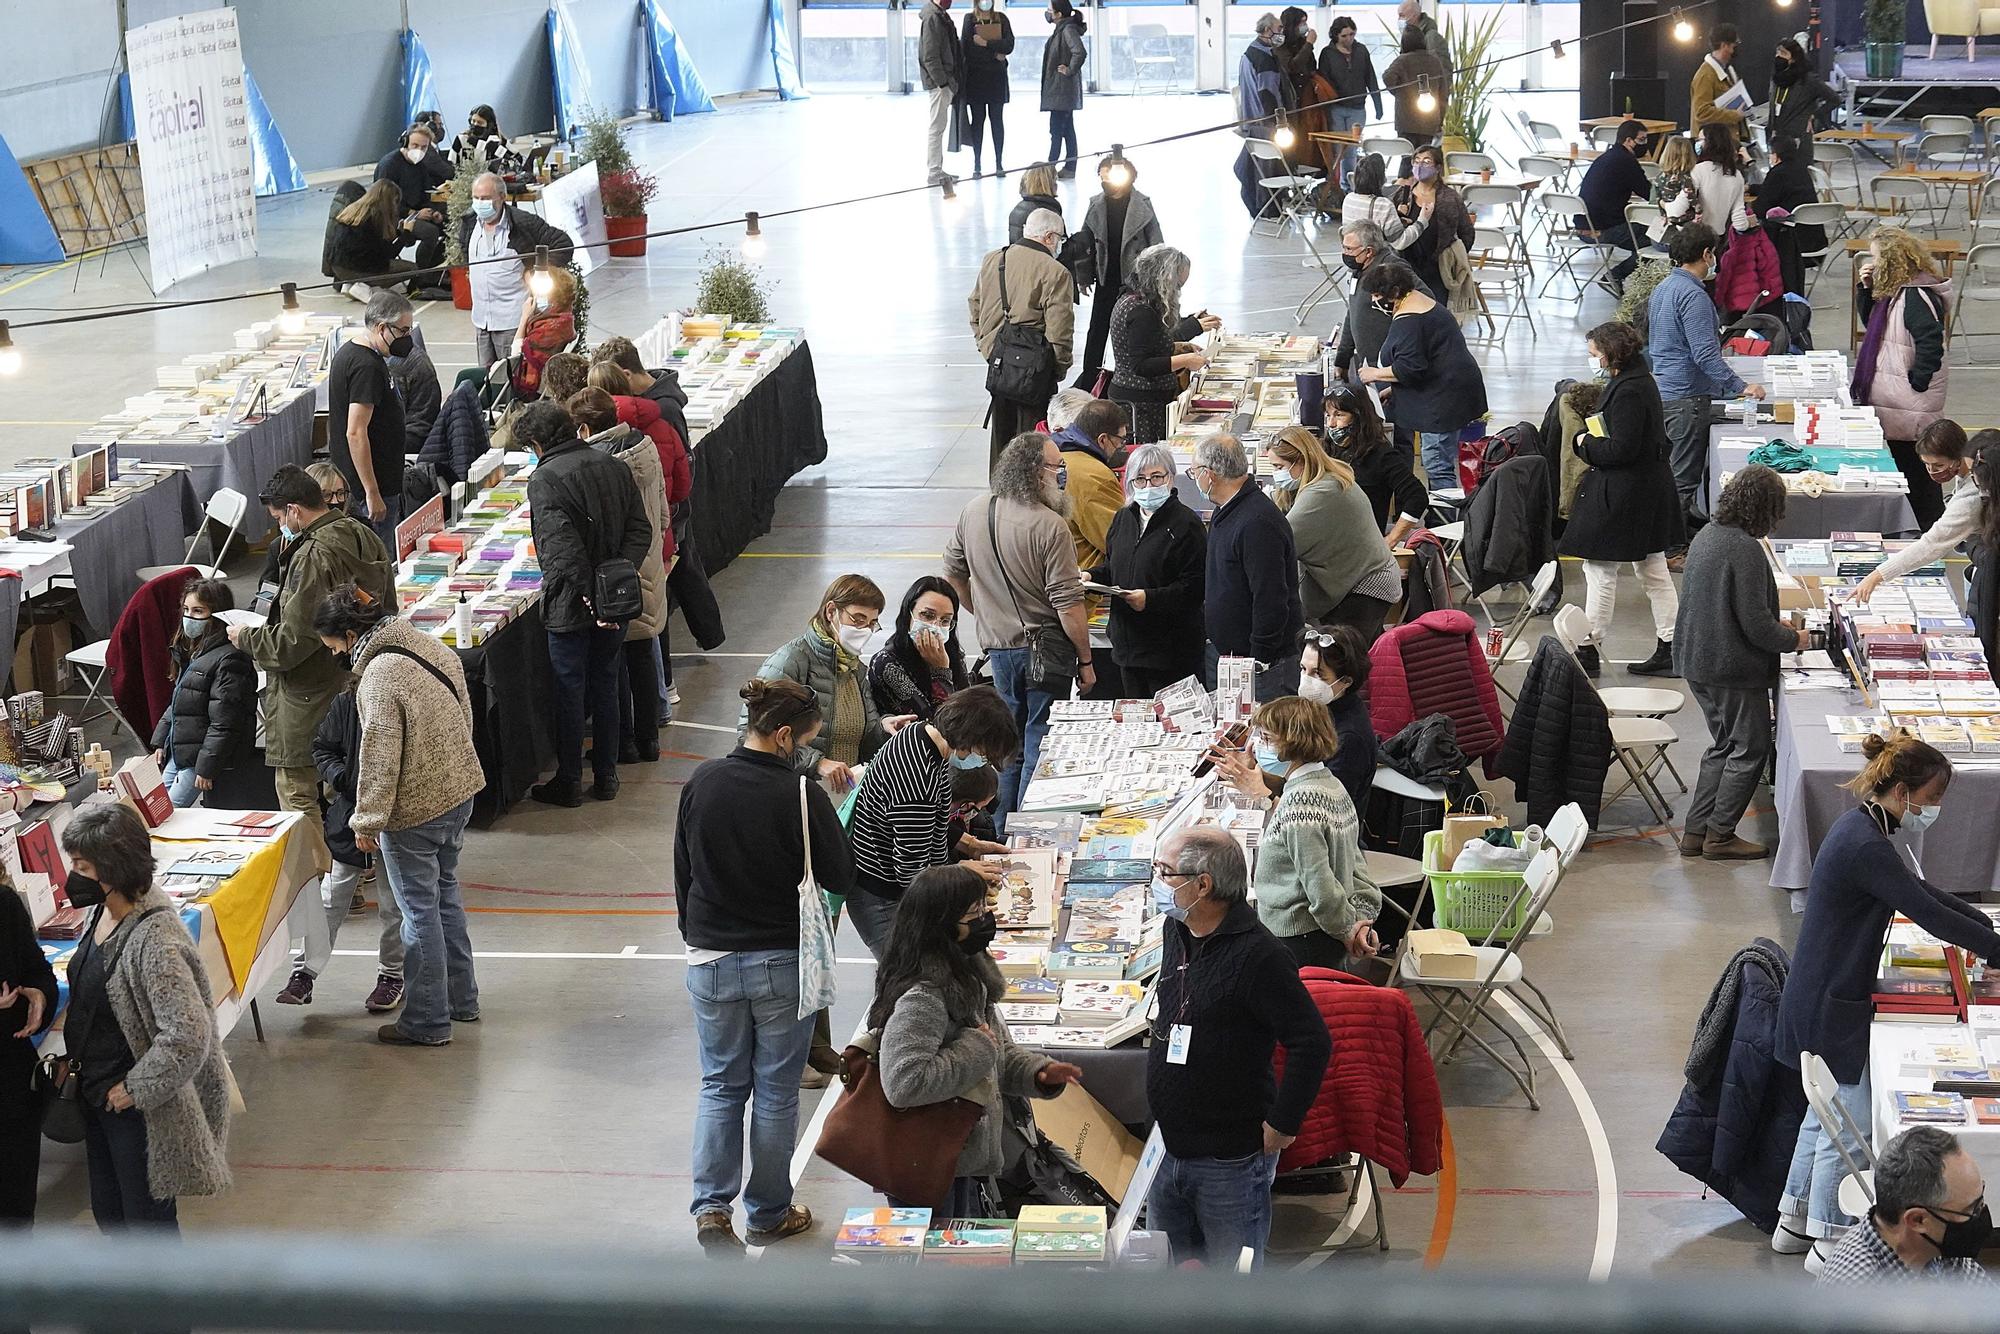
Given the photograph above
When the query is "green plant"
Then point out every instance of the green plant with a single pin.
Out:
(579, 309)
(1468, 108)
(626, 193)
(458, 203)
(604, 143)
(728, 286)
(1886, 20)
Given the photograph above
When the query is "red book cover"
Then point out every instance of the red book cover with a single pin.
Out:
(139, 778)
(39, 852)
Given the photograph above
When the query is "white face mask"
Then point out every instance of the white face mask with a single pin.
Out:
(1314, 690)
(854, 638)
(414, 154)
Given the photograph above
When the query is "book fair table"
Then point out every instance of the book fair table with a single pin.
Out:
(109, 545)
(1910, 1050)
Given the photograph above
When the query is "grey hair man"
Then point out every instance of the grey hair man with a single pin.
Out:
(1411, 15)
(490, 232)
(1223, 1118)
(1250, 596)
(1040, 294)
(1065, 405)
(1362, 329)
(1930, 1218)
(1012, 561)
(365, 414)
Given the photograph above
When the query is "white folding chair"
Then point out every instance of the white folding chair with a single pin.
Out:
(1148, 44)
(1452, 536)
(1603, 137)
(1657, 702)
(227, 508)
(1500, 270)
(1533, 593)
(1389, 871)
(1838, 154)
(1896, 198)
(1390, 147)
(1468, 164)
(1542, 134)
(1830, 216)
(1976, 287)
(92, 665)
(1857, 1188)
(1285, 188)
(1550, 171)
(1568, 239)
(1568, 831)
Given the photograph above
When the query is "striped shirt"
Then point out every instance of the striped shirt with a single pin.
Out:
(900, 814)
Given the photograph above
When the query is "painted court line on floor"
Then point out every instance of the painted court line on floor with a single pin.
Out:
(1593, 1131)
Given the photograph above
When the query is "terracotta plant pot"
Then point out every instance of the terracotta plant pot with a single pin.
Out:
(461, 287)
(627, 236)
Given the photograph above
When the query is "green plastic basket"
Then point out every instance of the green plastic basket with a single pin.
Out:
(1474, 903)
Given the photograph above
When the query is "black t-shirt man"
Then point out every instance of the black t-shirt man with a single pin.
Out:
(359, 374)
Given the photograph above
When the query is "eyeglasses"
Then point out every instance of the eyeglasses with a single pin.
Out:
(1157, 477)
(1052, 467)
(1173, 871)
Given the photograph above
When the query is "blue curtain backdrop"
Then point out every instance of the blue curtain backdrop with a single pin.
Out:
(25, 234)
(786, 68)
(571, 75)
(419, 88)
(271, 164)
(678, 89)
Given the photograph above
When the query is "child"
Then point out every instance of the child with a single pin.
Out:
(336, 745)
(547, 327)
(969, 829)
(211, 726)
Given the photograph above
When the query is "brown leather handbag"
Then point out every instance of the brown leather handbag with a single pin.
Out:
(908, 1153)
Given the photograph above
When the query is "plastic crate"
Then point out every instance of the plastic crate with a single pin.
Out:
(1474, 903)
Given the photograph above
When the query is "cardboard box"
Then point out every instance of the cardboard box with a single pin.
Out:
(1078, 1124)
(1444, 954)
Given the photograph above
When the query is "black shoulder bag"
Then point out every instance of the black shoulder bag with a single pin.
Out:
(1052, 659)
(1022, 368)
(615, 591)
(59, 1077)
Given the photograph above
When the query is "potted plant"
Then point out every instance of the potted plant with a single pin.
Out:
(622, 186)
(728, 286)
(1466, 108)
(1886, 23)
(458, 203)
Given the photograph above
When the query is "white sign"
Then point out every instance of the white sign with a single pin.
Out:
(193, 127)
(572, 203)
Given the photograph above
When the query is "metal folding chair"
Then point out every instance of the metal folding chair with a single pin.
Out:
(1469, 164)
(1500, 270)
(1831, 217)
(1148, 44)
(1572, 632)
(1977, 286)
(93, 667)
(1857, 1188)
(1284, 186)
(227, 508)
(1568, 240)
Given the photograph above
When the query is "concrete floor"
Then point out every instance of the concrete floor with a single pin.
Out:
(567, 1111)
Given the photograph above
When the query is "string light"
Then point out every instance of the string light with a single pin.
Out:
(1683, 30)
(1426, 100)
(543, 280)
(1117, 171)
(10, 356)
(292, 317)
(1284, 138)
(1556, 48)
(753, 238)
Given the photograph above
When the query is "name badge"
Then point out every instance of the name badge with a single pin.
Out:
(1178, 1038)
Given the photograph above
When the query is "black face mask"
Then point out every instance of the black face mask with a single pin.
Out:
(402, 347)
(979, 934)
(1354, 265)
(1964, 1238)
(1340, 435)
(1784, 73)
(82, 891)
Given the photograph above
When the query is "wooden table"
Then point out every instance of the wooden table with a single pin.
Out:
(1951, 180)
(1944, 250)
(1333, 146)
(1656, 130)
(1527, 185)
(1868, 138)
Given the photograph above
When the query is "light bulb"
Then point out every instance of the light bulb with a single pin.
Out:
(10, 356)
(292, 317)
(1784, 4)
(753, 238)
(542, 281)
(1683, 30)
(1283, 137)
(1426, 100)
(1117, 171)
(1556, 47)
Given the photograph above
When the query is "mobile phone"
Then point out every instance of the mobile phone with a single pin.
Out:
(1232, 738)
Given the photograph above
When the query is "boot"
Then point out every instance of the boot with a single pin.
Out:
(1730, 848)
(1691, 842)
(1660, 664)
(1586, 658)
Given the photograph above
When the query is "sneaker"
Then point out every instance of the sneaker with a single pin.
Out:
(673, 696)
(716, 1235)
(628, 751)
(604, 789)
(396, 1037)
(465, 1016)
(298, 991)
(1660, 664)
(387, 995)
(797, 1219)
(649, 752)
(1822, 1251)
(558, 792)
(814, 1079)
(359, 903)
(1586, 658)
(1691, 841)
(1790, 1237)
(360, 292)
(1732, 849)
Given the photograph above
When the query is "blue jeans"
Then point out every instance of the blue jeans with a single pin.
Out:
(1813, 1188)
(180, 785)
(874, 917)
(422, 865)
(1349, 118)
(660, 677)
(1440, 450)
(1211, 1208)
(585, 663)
(746, 1022)
(1062, 129)
(1031, 714)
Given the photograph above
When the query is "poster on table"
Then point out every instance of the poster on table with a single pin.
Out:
(572, 203)
(192, 119)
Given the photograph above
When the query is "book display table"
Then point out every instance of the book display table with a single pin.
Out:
(242, 460)
(110, 546)
(756, 445)
(511, 683)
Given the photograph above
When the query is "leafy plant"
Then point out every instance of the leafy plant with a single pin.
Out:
(626, 193)
(458, 203)
(604, 143)
(579, 309)
(1470, 40)
(1885, 20)
(728, 286)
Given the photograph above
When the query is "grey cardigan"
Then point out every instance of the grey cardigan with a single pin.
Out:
(159, 994)
(1729, 632)
(1338, 541)
(812, 662)
(932, 1049)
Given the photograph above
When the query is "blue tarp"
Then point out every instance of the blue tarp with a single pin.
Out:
(677, 86)
(25, 234)
(128, 129)
(786, 68)
(573, 100)
(419, 89)
(272, 167)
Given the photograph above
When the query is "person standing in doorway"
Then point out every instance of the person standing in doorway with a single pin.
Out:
(987, 39)
(941, 65)
(1062, 81)
(365, 414)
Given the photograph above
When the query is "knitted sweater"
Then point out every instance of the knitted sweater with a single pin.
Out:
(417, 760)
(1311, 875)
(1728, 632)
(1338, 544)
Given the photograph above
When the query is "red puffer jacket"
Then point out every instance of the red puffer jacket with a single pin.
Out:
(1749, 277)
(1380, 1096)
(643, 414)
(1435, 664)
(139, 658)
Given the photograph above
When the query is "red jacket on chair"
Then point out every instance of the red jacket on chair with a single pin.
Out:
(1435, 664)
(1380, 1095)
(1749, 270)
(138, 659)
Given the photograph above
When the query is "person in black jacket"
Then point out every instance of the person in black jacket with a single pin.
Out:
(988, 39)
(457, 437)
(1145, 325)
(1623, 512)
(586, 510)
(1613, 181)
(1229, 995)
(1345, 64)
(210, 727)
(1788, 186)
(365, 240)
(740, 849)
(1156, 551)
(1250, 594)
(417, 169)
(1385, 470)
(416, 379)
(1038, 190)
(1799, 100)
(1436, 387)
(27, 1007)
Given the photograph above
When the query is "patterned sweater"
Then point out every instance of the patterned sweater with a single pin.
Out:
(417, 759)
(1311, 875)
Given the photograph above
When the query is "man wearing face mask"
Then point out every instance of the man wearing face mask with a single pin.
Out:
(1229, 995)
(1250, 588)
(417, 169)
(364, 412)
(1613, 181)
(324, 549)
(1362, 329)
(1929, 1221)
(1686, 354)
(490, 232)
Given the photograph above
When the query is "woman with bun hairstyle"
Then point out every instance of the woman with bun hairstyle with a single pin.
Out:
(739, 853)
(1859, 879)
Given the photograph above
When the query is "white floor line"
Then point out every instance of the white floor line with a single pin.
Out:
(1593, 1130)
(705, 727)
(1364, 1196)
(630, 952)
(802, 1155)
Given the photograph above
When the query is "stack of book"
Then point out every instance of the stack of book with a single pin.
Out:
(1060, 1233)
(881, 1236)
(971, 1243)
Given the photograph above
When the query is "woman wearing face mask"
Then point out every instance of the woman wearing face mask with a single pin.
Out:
(1800, 101)
(938, 1035)
(830, 659)
(1960, 467)
(1626, 510)
(1860, 879)
(1062, 81)
(921, 666)
(481, 137)
(1346, 574)
(1333, 667)
(1387, 476)
(547, 327)
(1440, 214)
(1435, 387)
(209, 730)
(1156, 550)
(1901, 369)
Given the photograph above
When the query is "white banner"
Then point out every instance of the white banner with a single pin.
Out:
(189, 111)
(572, 203)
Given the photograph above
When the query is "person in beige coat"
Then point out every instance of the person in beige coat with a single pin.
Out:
(1040, 293)
(416, 776)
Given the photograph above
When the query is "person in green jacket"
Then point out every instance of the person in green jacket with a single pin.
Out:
(324, 549)
(1347, 574)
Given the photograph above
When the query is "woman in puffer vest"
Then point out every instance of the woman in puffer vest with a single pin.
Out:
(1900, 369)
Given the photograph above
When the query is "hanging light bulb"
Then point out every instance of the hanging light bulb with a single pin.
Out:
(1683, 30)
(1426, 100)
(1784, 4)
(1283, 137)
(1556, 48)
(1117, 171)
(753, 238)
(10, 356)
(543, 280)
(292, 317)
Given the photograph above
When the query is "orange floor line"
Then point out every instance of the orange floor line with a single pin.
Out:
(1447, 1203)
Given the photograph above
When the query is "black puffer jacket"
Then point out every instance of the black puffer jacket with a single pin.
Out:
(335, 747)
(211, 725)
(1507, 526)
(457, 437)
(586, 510)
(1558, 746)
